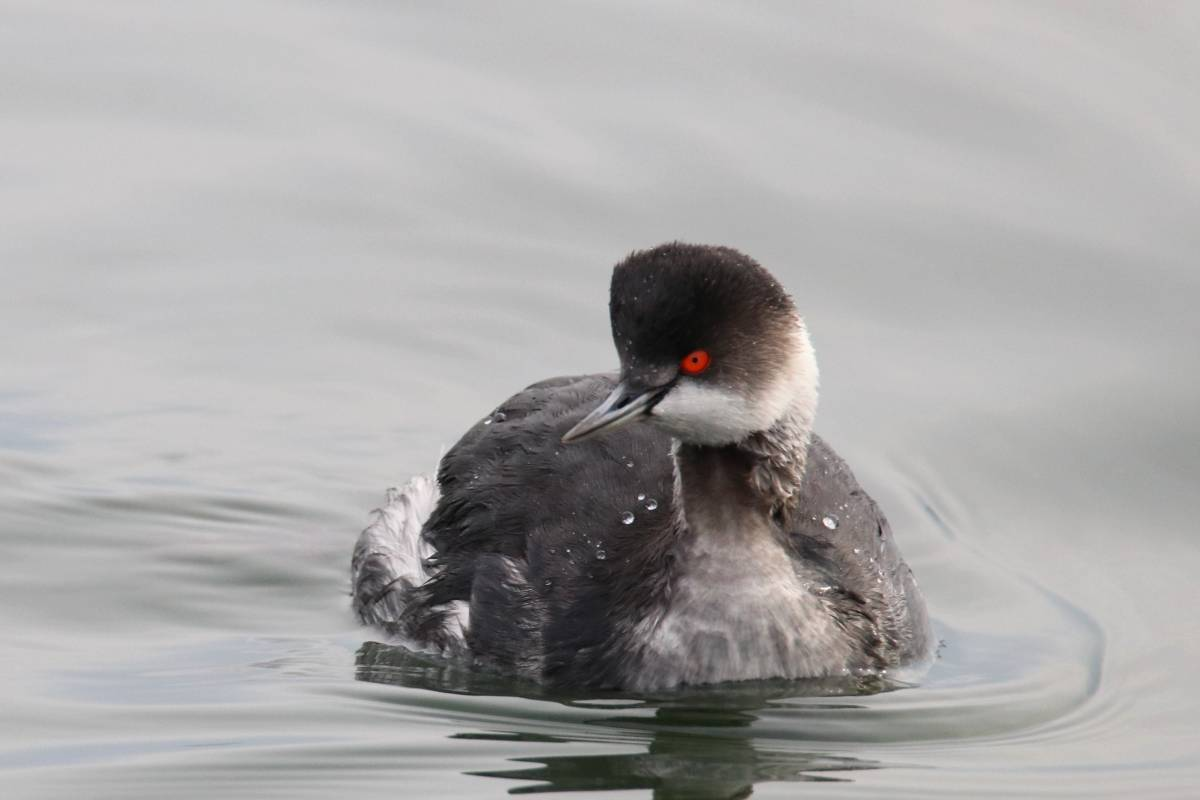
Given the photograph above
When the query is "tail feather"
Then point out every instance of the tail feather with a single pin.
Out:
(389, 557)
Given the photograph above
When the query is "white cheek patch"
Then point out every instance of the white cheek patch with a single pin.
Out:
(698, 412)
(701, 413)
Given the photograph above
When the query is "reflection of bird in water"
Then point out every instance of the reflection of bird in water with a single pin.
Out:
(718, 540)
(698, 746)
(680, 765)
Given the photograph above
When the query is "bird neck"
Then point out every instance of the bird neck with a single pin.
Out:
(715, 487)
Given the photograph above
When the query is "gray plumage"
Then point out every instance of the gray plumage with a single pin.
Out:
(656, 554)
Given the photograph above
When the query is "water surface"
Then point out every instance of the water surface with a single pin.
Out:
(261, 260)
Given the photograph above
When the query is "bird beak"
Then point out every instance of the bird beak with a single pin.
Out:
(623, 406)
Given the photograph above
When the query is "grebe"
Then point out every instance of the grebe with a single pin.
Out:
(674, 523)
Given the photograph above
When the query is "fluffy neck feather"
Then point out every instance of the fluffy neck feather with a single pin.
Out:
(780, 452)
(759, 475)
(779, 456)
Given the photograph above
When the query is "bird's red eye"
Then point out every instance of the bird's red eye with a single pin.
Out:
(695, 362)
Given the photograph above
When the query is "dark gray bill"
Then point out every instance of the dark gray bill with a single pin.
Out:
(624, 405)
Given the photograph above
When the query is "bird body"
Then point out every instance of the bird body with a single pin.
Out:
(716, 539)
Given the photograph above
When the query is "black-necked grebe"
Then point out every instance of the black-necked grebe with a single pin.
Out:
(675, 523)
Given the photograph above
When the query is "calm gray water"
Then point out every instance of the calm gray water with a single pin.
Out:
(261, 260)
